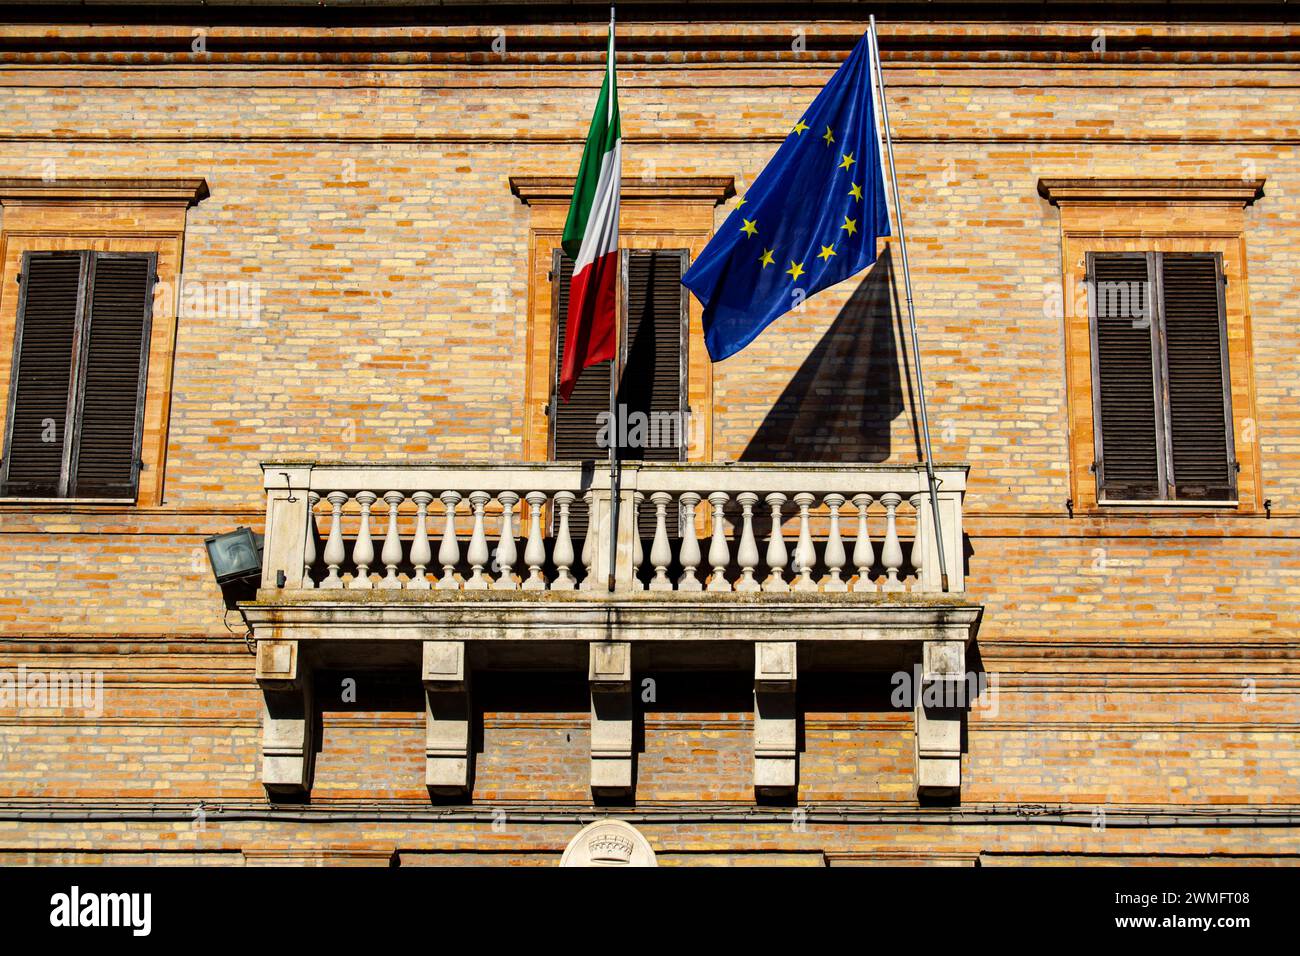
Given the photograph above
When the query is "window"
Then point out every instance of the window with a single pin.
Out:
(76, 390)
(1163, 408)
(134, 231)
(654, 352)
(672, 217)
(1161, 415)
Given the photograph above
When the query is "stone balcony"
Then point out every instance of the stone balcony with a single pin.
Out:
(453, 568)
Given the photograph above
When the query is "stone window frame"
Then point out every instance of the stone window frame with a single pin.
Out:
(664, 213)
(1155, 215)
(103, 215)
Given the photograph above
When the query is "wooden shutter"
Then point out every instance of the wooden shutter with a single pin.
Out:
(77, 389)
(654, 349)
(1124, 378)
(575, 423)
(106, 460)
(654, 360)
(1200, 417)
(37, 440)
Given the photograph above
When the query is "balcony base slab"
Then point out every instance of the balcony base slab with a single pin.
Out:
(448, 637)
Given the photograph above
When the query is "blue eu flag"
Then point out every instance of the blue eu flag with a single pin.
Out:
(810, 219)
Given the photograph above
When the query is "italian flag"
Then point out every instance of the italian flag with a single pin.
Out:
(591, 240)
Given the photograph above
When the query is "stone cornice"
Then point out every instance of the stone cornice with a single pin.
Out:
(558, 617)
(698, 189)
(1124, 191)
(27, 191)
(383, 27)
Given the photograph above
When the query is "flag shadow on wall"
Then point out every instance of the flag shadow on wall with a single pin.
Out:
(842, 401)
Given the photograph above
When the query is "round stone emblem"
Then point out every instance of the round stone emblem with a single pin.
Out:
(608, 843)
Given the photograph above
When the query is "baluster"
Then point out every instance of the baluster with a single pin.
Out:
(864, 556)
(638, 551)
(918, 501)
(776, 553)
(449, 549)
(689, 553)
(309, 546)
(421, 553)
(661, 552)
(507, 553)
(805, 556)
(747, 556)
(535, 550)
(335, 553)
(563, 550)
(589, 545)
(478, 546)
(363, 549)
(719, 552)
(834, 556)
(392, 553)
(891, 555)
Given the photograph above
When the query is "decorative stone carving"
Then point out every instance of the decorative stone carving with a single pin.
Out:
(943, 661)
(608, 843)
(277, 661)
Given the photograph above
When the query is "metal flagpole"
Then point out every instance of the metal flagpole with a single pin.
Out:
(911, 312)
(615, 373)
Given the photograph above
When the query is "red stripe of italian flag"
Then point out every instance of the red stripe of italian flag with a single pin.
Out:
(591, 240)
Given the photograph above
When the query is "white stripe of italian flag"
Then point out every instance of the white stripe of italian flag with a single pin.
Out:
(591, 240)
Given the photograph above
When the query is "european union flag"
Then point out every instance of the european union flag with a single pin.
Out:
(810, 219)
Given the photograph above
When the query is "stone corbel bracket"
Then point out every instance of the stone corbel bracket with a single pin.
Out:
(448, 718)
(610, 677)
(779, 634)
(940, 707)
(776, 731)
(287, 718)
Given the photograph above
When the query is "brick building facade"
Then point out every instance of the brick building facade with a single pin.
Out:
(352, 217)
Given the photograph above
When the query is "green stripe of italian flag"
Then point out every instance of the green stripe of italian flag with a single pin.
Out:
(591, 240)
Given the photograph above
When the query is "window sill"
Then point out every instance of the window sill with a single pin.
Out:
(1183, 505)
(6, 503)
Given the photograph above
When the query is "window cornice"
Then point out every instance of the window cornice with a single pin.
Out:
(694, 189)
(1126, 191)
(33, 190)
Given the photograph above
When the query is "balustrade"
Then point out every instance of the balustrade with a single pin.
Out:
(802, 513)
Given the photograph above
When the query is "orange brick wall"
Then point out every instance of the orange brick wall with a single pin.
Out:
(369, 202)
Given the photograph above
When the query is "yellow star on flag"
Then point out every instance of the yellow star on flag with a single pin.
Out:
(766, 258)
(742, 202)
(826, 253)
(829, 137)
(850, 224)
(795, 270)
(856, 191)
(750, 227)
(799, 127)
(847, 160)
